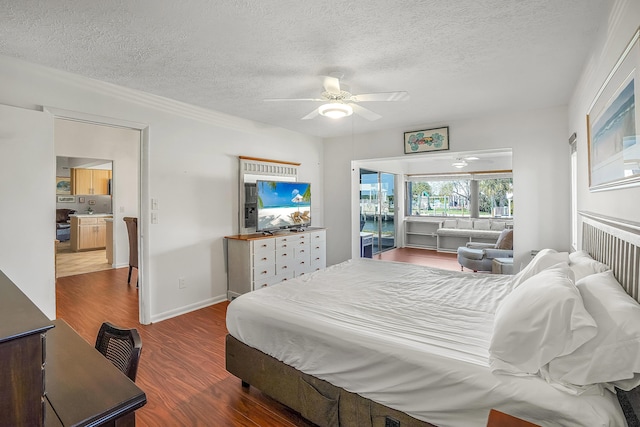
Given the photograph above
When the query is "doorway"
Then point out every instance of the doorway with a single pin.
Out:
(84, 215)
(122, 144)
(377, 211)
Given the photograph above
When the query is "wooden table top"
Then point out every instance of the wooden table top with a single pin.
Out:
(82, 386)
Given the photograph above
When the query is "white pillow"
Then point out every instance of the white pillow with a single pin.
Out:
(613, 356)
(449, 223)
(481, 225)
(544, 259)
(538, 321)
(583, 265)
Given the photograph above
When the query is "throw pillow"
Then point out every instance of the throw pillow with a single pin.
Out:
(505, 241)
(498, 225)
(449, 223)
(465, 224)
(481, 225)
(540, 320)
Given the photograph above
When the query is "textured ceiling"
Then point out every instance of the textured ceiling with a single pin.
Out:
(456, 59)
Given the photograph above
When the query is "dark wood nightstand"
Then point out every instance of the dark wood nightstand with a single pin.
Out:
(500, 419)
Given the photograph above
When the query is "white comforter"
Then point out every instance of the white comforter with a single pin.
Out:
(412, 338)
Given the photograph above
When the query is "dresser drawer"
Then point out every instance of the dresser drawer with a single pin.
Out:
(264, 271)
(317, 236)
(261, 259)
(263, 245)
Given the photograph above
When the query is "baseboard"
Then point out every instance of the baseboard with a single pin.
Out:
(187, 309)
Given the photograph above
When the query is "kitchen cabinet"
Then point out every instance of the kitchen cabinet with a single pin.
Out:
(88, 232)
(90, 181)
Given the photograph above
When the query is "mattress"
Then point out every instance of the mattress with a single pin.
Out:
(409, 337)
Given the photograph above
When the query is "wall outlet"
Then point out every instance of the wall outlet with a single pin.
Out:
(391, 422)
(181, 283)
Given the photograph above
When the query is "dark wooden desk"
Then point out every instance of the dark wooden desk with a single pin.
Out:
(82, 387)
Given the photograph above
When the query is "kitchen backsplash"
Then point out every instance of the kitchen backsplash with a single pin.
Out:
(80, 203)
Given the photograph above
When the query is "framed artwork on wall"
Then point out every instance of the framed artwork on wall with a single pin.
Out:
(66, 199)
(613, 124)
(63, 185)
(422, 141)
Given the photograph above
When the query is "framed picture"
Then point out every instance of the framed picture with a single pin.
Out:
(66, 199)
(63, 185)
(81, 199)
(613, 123)
(422, 141)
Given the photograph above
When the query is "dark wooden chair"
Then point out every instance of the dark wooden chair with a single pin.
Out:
(132, 231)
(121, 346)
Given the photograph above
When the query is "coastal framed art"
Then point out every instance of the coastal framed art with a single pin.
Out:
(63, 185)
(613, 124)
(422, 141)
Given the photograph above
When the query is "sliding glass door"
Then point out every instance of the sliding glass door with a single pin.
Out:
(377, 212)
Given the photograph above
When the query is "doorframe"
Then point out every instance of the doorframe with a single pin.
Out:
(144, 291)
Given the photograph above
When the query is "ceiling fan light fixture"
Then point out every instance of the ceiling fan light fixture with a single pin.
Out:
(459, 163)
(335, 110)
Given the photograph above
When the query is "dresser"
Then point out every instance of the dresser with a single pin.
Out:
(255, 261)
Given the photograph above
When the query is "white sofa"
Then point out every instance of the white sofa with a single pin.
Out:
(458, 232)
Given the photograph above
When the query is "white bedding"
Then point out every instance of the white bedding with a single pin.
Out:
(409, 337)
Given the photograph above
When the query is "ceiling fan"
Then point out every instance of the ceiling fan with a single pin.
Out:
(339, 103)
(462, 162)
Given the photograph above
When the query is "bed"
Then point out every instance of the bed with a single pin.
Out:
(372, 343)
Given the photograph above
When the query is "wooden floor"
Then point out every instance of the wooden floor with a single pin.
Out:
(182, 363)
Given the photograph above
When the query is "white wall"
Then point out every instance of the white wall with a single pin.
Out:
(122, 147)
(27, 216)
(541, 175)
(192, 171)
(616, 33)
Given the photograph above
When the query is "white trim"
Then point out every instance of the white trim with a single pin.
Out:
(188, 308)
(144, 307)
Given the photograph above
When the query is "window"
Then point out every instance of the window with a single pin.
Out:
(463, 196)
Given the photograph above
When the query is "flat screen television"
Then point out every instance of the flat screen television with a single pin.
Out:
(283, 205)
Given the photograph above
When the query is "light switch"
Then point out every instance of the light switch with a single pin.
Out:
(154, 217)
(154, 204)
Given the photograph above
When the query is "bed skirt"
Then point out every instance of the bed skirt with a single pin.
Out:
(314, 399)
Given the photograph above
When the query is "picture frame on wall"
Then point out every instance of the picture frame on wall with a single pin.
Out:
(422, 141)
(63, 185)
(613, 125)
(66, 199)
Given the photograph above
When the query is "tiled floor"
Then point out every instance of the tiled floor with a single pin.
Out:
(69, 263)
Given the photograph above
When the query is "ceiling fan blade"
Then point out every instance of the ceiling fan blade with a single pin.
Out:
(331, 84)
(293, 99)
(364, 112)
(311, 115)
(381, 96)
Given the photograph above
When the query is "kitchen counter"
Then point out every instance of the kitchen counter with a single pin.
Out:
(100, 215)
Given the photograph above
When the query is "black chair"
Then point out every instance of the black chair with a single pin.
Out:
(121, 346)
(132, 231)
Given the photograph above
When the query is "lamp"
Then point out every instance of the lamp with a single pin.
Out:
(459, 163)
(335, 110)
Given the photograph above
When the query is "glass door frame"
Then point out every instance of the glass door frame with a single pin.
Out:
(381, 210)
